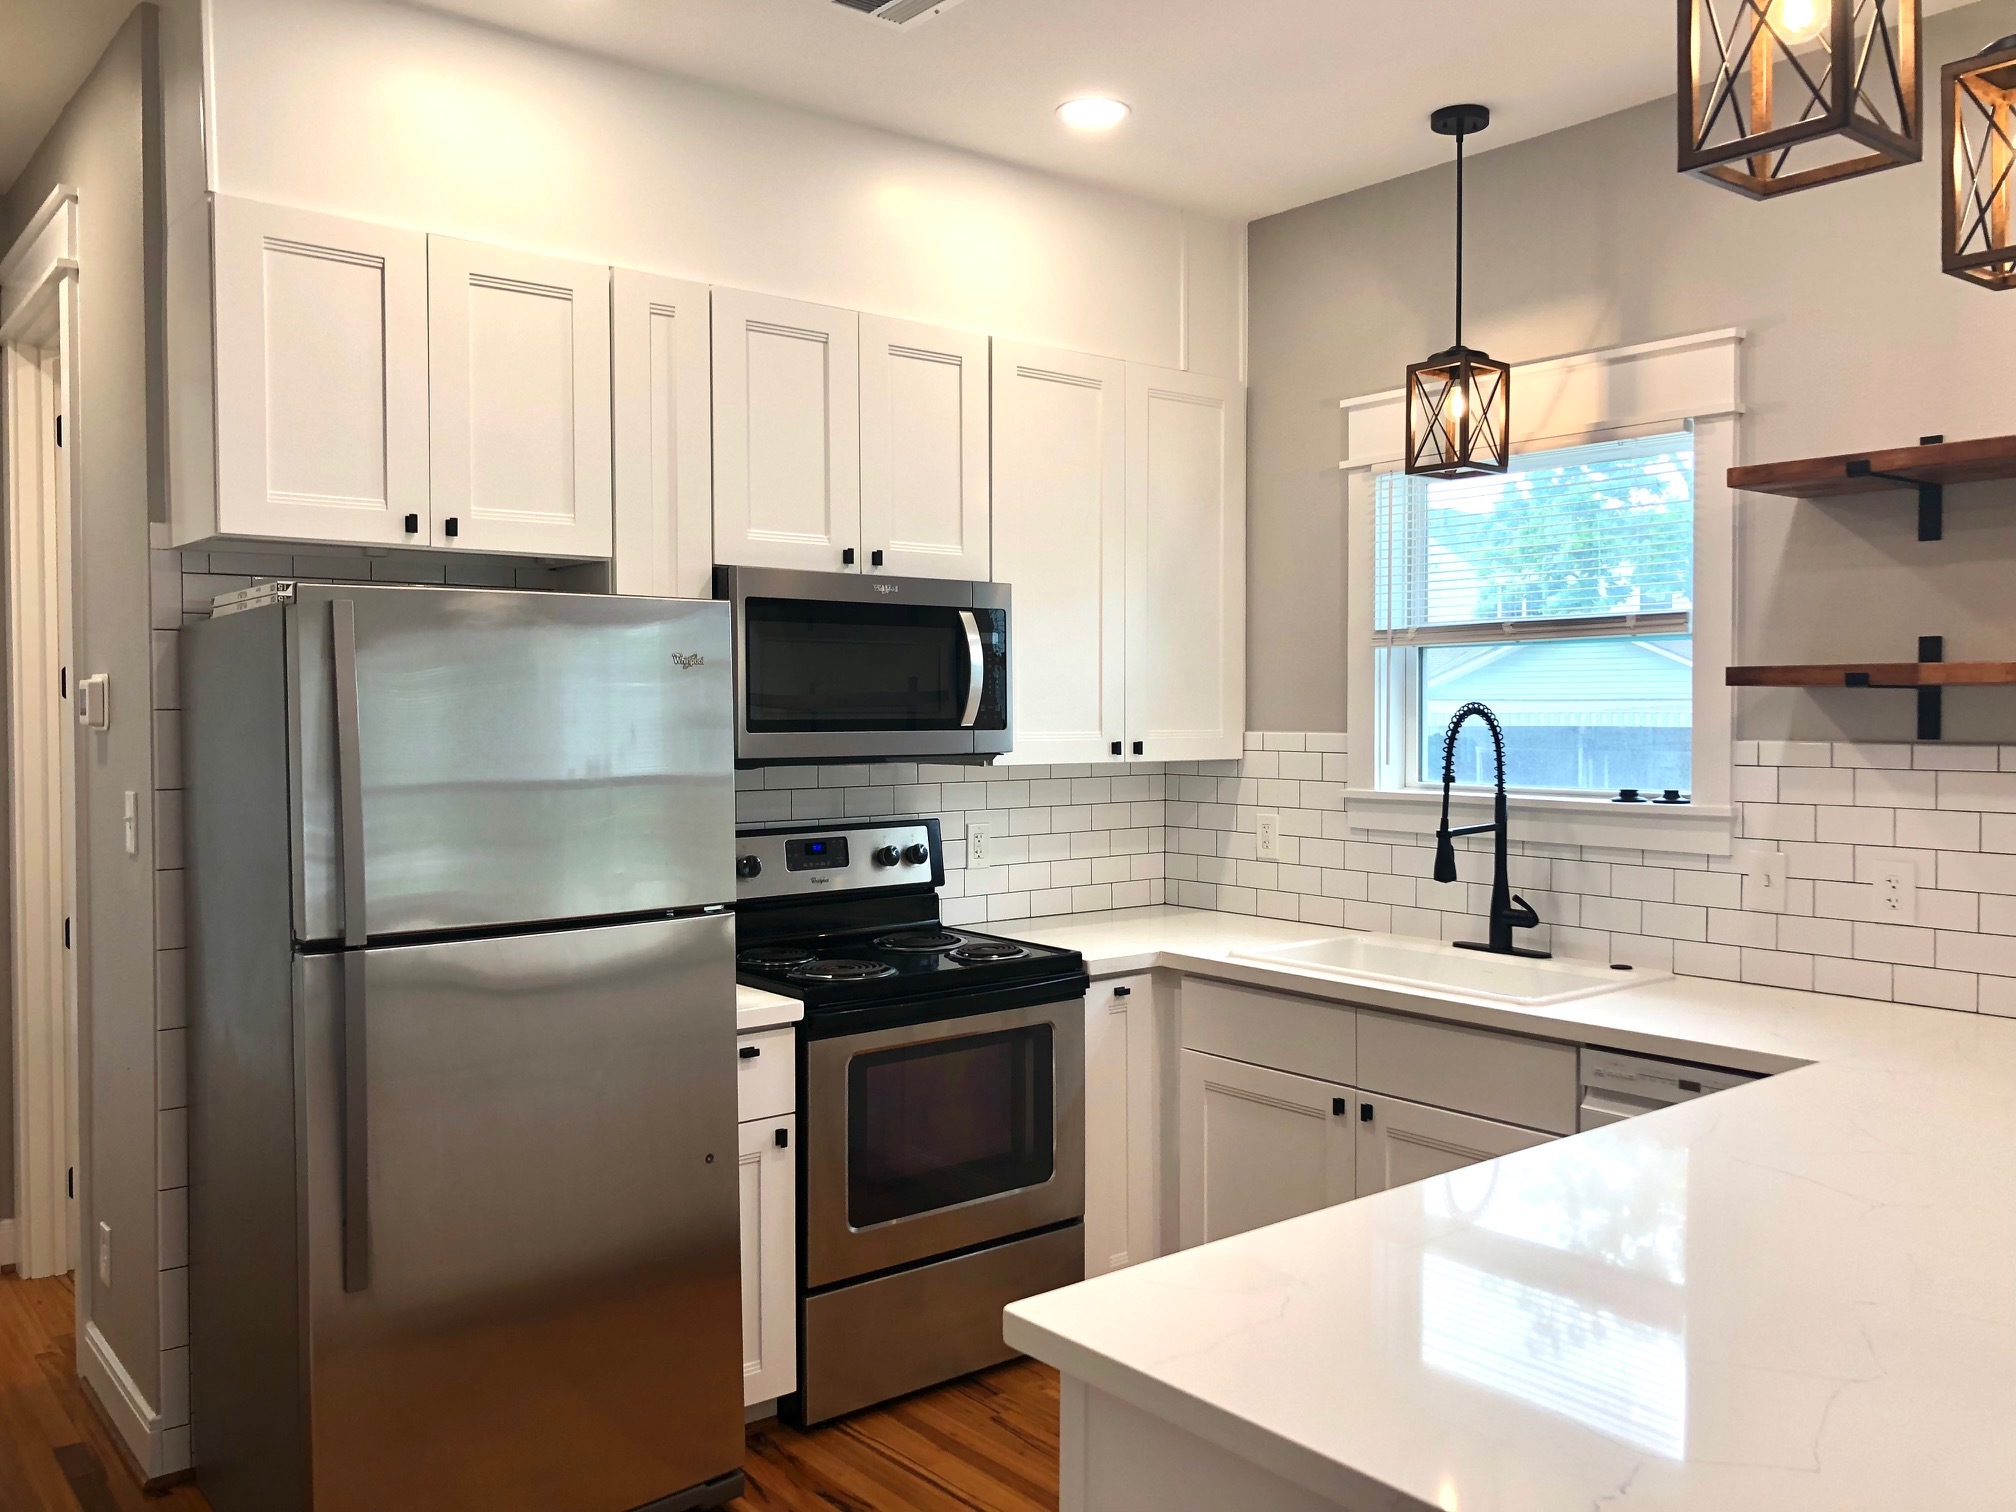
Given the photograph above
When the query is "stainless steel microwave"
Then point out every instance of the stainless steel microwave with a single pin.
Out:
(841, 667)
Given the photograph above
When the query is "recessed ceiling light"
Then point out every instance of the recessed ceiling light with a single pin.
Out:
(1093, 113)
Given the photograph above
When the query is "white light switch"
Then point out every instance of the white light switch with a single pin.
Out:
(1764, 882)
(132, 823)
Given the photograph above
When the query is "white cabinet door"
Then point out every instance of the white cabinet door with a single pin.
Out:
(1404, 1141)
(1122, 1123)
(787, 433)
(769, 1259)
(518, 378)
(1258, 1146)
(321, 355)
(1186, 566)
(1060, 526)
(663, 438)
(924, 484)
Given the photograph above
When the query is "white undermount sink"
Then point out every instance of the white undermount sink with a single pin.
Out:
(1432, 966)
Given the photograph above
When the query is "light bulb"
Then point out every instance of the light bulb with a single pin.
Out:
(1093, 113)
(1459, 398)
(1801, 20)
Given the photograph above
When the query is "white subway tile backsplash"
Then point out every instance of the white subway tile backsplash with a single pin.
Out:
(1815, 785)
(1878, 787)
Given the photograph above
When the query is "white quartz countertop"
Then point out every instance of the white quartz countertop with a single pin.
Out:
(1798, 1294)
(757, 1009)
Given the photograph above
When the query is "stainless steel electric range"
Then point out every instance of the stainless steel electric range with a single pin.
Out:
(941, 1075)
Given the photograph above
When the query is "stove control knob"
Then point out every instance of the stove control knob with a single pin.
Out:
(748, 866)
(887, 855)
(916, 855)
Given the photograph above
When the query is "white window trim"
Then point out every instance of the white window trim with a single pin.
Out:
(1589, 396)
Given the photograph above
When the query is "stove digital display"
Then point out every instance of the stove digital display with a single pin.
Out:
(828, 853)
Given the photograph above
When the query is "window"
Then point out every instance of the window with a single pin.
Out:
(1562, 595)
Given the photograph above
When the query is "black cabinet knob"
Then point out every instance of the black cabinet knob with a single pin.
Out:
(750, 1052)
(874, 559)
(887, 855)
(1339, 1106)
(1365, 1113)
(1123, 992)
(1116, 748)
(847, 557)
(783, 1138)
(1137, 748)
(452, 528)
(916, 855)
(748, 866)
(412, 524)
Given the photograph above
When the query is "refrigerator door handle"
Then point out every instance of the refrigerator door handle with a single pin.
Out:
(356, 1136)
(349, 776)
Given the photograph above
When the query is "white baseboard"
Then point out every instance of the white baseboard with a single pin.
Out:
(138, 1424)
(6, 1241)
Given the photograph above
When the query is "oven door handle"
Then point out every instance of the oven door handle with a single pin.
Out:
(976, 669)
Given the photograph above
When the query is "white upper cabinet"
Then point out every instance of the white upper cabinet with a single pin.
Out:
(787, 477)
(924, 484)
(321, 380)
(663, 436)
(1060, 526)
(519, 390)
(1186, 566)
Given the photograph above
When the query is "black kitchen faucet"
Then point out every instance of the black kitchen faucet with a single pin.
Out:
(1508, 912)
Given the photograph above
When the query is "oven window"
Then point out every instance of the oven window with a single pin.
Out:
(931, 1126)
(814, 665)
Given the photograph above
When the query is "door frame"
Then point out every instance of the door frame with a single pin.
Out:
(38, 367)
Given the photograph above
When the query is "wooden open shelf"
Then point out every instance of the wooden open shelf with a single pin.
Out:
(1945, 462)
(1878, 675)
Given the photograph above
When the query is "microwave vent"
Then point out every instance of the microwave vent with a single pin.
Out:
(898, 12)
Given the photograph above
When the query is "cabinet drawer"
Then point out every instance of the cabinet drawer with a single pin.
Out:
(766, 1082)
(1508, 1077)
(1301, 1035)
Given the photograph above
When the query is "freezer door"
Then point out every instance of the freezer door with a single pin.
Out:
(519, 757)
(543, 1305)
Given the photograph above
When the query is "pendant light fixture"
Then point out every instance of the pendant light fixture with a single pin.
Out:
(1459, 402)
(1979, 109)
(1780, 95)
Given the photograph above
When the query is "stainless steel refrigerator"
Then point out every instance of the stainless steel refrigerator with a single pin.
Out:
(463, 1192)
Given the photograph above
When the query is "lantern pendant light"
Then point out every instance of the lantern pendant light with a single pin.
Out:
(1780, 95)
(1459, 402)
(1979, 109)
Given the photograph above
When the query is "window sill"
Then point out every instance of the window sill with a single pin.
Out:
(1693, 829)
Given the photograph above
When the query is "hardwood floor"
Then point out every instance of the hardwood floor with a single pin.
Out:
(984, 1444)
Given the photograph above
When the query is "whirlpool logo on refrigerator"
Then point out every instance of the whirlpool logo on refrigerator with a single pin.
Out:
(688, 659)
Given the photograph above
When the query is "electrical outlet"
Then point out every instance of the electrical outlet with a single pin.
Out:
(132, 823)
(104, 1254)
(1764, 882)
(979, 841)
(1270, 837)
(1897, 895)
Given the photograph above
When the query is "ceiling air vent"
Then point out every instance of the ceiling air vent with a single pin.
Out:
(898, 12)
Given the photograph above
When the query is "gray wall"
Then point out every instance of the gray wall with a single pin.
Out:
(1589, 238)
(106, 144)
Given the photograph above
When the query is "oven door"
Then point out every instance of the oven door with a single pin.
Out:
(838, 667)
(931, 1137)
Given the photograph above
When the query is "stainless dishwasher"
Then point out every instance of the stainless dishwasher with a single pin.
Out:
(1616, 1086)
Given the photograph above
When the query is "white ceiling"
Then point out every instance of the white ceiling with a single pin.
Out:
(48, 47)
(1244, 107)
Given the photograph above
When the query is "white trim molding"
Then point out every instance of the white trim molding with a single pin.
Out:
(1691, 382)
(136, 1422)
(6, 1241)
(46, 246)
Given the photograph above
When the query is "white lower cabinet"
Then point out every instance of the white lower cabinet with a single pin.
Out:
(1259, 1145)
(1123, 1135)
(769, 1293)
(1399, 1142)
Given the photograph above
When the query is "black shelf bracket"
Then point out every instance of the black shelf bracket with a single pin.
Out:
(1931, 496)
(1931, 701)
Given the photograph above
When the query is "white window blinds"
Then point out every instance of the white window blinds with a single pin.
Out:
(1587, 540)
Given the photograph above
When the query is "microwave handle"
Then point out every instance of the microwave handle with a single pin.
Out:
(976, 669)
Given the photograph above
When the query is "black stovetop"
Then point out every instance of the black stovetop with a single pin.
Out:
(880, 965)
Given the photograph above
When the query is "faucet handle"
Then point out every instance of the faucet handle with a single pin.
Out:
(1524, 915)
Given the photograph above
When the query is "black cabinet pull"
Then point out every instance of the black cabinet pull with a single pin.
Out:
(1339, 1106)
(412, 524)
(1116, 748)
(750, 1052)
(1137, 748)
(1123, 992)
(1365, 1113)
(453, 528)
(874, 559)
(783, 1137)
(847, 557)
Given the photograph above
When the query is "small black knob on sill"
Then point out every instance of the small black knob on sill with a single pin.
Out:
(887, 855)
(1628, 795)
(916, 855)
(748, 866)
